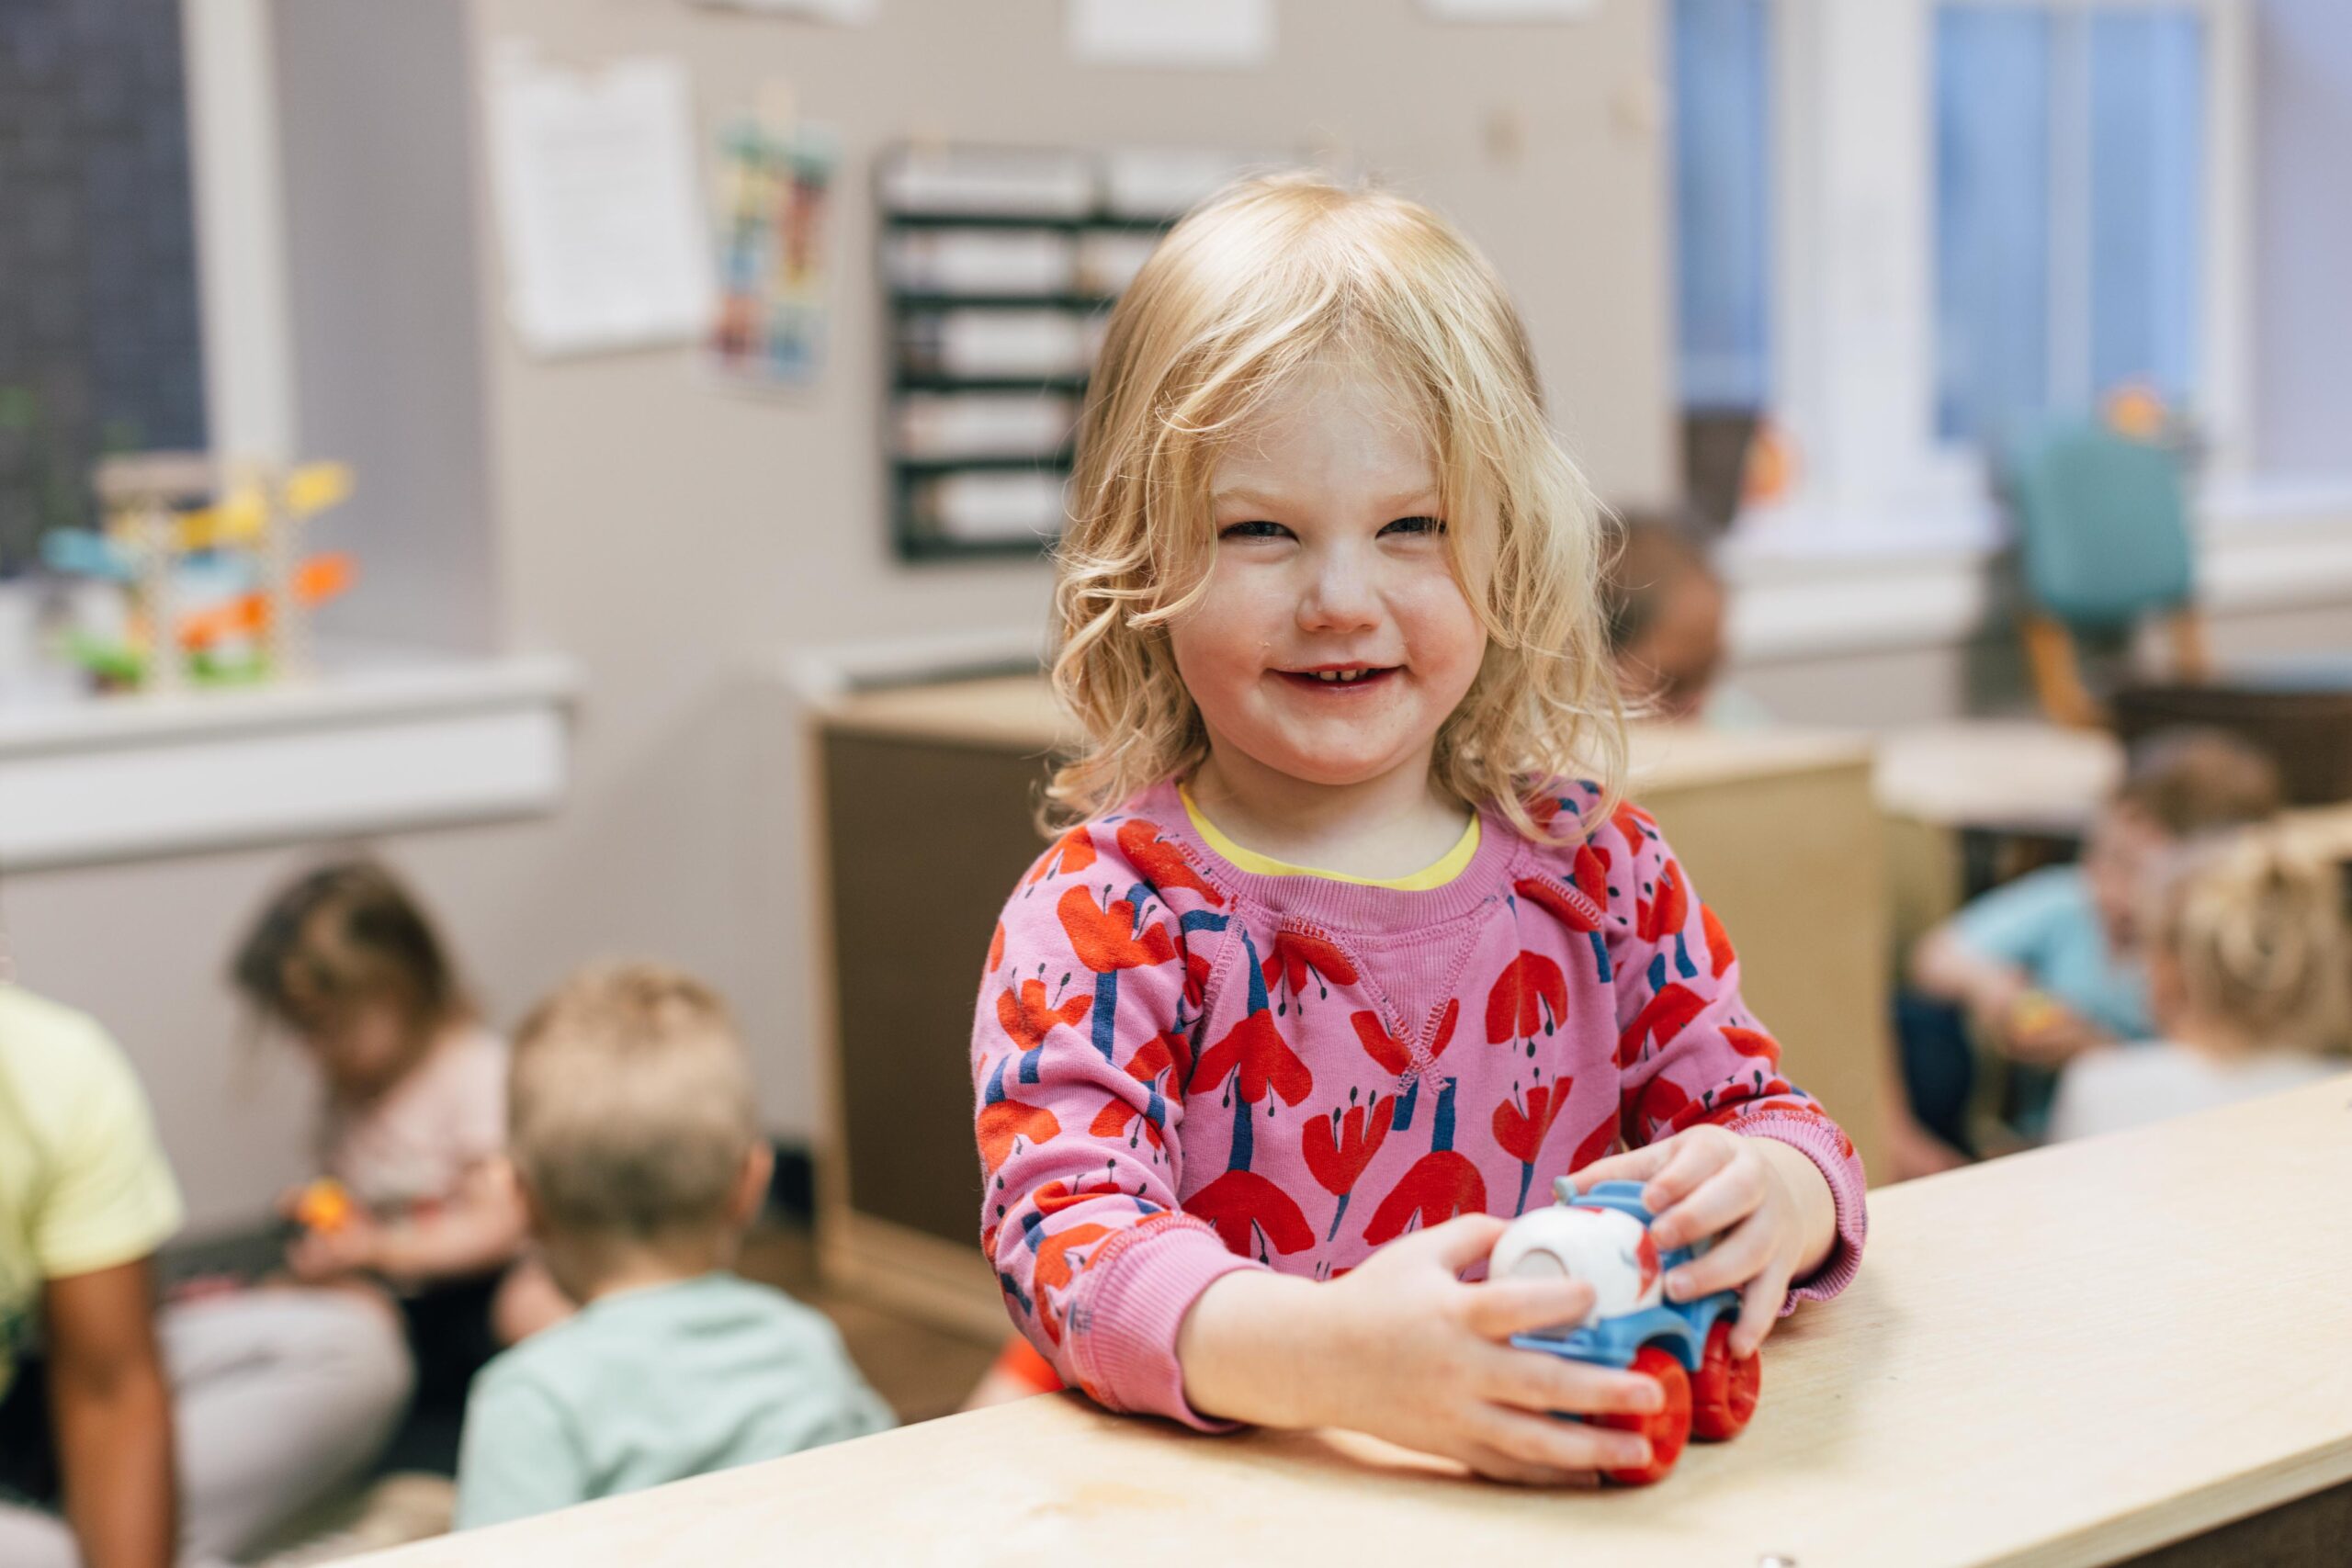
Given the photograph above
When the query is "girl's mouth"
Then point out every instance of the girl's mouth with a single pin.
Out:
(1340, 680)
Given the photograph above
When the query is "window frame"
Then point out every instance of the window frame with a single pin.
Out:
(1853, 371)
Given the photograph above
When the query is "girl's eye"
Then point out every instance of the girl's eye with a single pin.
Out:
(1429, 527)
(1253, 530)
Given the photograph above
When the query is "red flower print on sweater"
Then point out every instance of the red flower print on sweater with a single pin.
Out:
(1104, 936)
(1245, 1207)
(1162, 863)
(1440, 1184)
(1665, 1014)
(1521, 1133)
(1302, 955)
(1531, 995)
(1254, 1049)
(1072, 853)
(1336, 1148)
(1028, 1018)
(1003, 1119)
(1719, 955)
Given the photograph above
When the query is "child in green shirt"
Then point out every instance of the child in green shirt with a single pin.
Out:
(634, 1141)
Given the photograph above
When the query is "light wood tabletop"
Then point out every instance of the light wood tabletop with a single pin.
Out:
(2068, 1357)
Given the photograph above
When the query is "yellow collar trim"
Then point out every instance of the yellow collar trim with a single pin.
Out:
(1436, 875)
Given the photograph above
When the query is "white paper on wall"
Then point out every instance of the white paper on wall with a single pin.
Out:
(1507, 10)
(599, 204)
(1201, 34)
(846, 12)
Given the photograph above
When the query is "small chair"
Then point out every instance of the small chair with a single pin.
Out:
(2104, 541)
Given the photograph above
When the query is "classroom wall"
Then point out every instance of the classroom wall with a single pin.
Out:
(677, 540)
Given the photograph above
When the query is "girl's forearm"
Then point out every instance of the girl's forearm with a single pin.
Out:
(1249, 1348)
(469, 1237)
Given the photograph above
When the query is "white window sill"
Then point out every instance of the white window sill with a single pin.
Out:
(1808, 588)
(382, 740)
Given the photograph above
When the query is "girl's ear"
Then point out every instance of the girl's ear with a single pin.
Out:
(751, 1184)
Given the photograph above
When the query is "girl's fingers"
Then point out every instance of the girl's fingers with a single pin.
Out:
(1496, 1465)
(1759, 1309)
(1457, 1243)
(1501, 1308)
(1719, 1203)
(1633, 1164)
(1553, 1444)
(1537, 1382)
(1729, 1264)
(1692, 1161)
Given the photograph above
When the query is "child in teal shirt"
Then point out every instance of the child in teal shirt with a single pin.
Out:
(635, 1147)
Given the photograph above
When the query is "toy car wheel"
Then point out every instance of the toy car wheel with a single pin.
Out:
(1723, 1394)
(1666, 1428)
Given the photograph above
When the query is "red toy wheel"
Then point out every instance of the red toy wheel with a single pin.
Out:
(1722, 1396)
(1667, 1429)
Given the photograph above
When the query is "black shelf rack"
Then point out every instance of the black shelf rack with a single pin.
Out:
(914, 536)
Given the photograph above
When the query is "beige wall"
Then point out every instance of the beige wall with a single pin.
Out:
(675, 539)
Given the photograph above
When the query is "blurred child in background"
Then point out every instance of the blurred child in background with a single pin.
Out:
(128, 1436)
(2246, 979)
(639, 1159)
(1666, 609)
(414, 1125)
(2050, 966)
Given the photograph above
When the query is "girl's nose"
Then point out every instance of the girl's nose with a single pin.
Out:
(1339, 595)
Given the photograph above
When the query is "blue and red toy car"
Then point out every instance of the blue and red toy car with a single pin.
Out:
(1601, 1235)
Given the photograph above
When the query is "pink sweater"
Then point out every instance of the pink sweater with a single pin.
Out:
(1184, 1068)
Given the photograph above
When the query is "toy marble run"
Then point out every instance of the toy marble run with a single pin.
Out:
(1602, 1237)
(216, 592)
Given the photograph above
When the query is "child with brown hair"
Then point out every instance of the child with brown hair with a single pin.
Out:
(412, 1129)
(2246, 961)
(639, 1156)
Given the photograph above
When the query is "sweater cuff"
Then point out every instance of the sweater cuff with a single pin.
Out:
(1821, 1142)
(1124, 1325)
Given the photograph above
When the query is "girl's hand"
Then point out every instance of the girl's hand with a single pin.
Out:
(2038, 1028)
(1403, 1349)
(354, 1247)
(1767, 1205)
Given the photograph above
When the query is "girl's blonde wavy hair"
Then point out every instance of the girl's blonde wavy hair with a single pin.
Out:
(1272, 281)
(2255, 926)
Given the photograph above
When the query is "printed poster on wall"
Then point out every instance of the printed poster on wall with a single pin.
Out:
(774, 217)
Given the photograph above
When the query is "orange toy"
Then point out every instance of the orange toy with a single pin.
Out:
(325, 1205)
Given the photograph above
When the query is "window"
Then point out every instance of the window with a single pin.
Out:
(2069, 230)
(1723, 148)
(99, 336)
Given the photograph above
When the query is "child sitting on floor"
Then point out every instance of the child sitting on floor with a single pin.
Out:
(639, 1160)
(414, 1125)
(2050, 966)
(2245, 975)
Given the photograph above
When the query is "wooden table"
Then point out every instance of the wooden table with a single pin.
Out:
(2070, 1356)
(1777, 829)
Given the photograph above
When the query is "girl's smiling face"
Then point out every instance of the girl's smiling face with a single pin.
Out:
(1332, 641)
